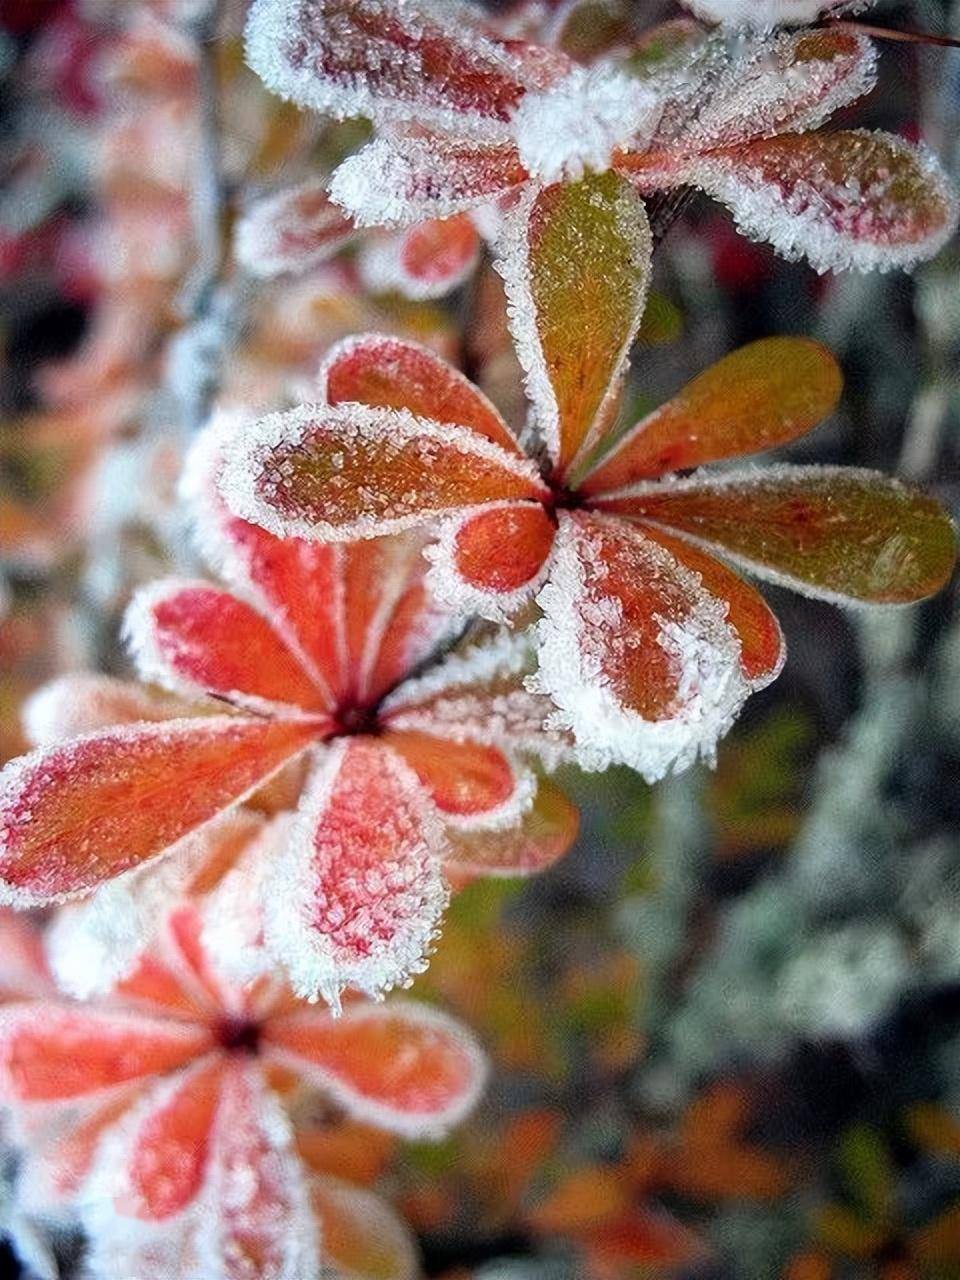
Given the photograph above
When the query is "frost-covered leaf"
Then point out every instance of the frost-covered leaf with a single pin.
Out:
(292, 231)
(856, 199)
(763, 395)
(400, 181)
(432, 63)
(839, 533)
(201, 1178)
(635, 652)
(348, 471)
(576, 261)
(357, 617)
(481, 695)
(391, 622)
(196, 639)
(394, 373)
(293, 582)
(765, 86)
(545, 833)
(82, 701)
(358, 892)
(762, 647)
(51, 1053)
(79, 813)
(363, 1239)
(472, 784)
(578, 125)
(490, 562)
(257, 1212)
(403, 1066)
(427, 261)
(162, 1151)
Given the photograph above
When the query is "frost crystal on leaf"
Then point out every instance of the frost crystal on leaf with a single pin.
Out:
(291, 231)
(770, 13)
(577, 124)
(357, 895)
(652, 695)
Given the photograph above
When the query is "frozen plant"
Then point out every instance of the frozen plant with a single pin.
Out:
(466, 116)
(162, 1118)
(649, 644)
(315, 655)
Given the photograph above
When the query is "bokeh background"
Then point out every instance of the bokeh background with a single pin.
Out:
(726, 1029)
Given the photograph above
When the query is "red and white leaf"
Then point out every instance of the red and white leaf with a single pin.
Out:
(335, 473)
(358, 617)
(429, 260)
(637, 655)
(384, 372)
(196, 639)
(401, 1066)
(419, 61)
(481, 695)
(401, 181)
(258, 1219)
(762, 647)
(766, 87)
(855, 199)
(574, 313)
(51, 1053)
(491, 562)
(295, 584)
(358, 892)
(292, 231)
(77, 814)
(201, 1179)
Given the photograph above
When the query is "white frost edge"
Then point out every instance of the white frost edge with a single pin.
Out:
(512, 263)
(241, 471)
(745, 477)
(271, 24)
(760, 213)
(376, 1113)
(290, 935)
(462, 598)
(606, 732)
